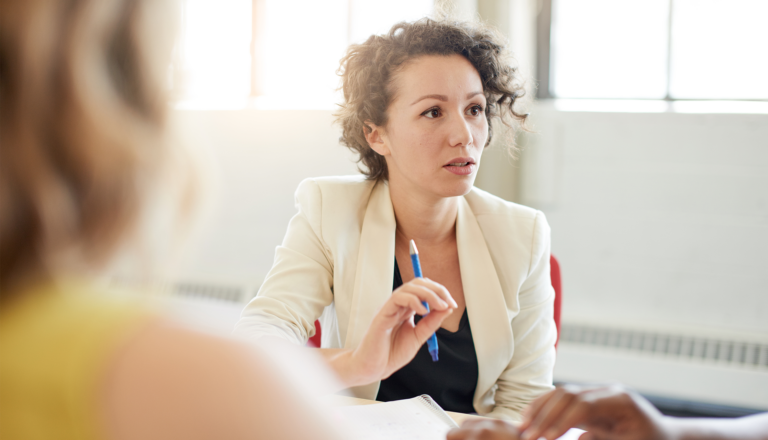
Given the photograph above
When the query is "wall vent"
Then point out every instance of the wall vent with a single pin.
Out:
(729, 352)
(214, 291)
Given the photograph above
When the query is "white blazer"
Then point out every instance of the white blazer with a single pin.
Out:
(337, 259)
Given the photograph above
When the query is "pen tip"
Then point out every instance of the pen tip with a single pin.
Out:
(414, 251)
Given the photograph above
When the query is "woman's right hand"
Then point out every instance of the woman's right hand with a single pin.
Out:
(392, 340)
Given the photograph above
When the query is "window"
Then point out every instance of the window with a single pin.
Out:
(657, 49)
(212, 59)
(284, 53)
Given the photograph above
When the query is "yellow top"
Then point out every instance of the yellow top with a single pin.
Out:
(55, 346)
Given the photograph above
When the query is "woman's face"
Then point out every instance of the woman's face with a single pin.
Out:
(436, 127)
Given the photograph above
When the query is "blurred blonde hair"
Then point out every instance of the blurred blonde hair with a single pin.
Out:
(82, 129)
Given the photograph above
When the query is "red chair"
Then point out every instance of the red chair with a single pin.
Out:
(314, 341)
(554, 274)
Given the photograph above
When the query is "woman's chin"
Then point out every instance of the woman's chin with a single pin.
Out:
(456, 188)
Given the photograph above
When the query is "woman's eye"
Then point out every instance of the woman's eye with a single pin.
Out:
(475, 110)
(432, 113)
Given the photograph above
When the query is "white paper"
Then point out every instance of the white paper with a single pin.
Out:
(402, 419)
(410, 419)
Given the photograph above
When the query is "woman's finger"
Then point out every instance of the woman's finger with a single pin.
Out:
(409, 301)
(398, 309)
(425, 293)
(429, 324)
(404, 314)
(436, 287)
(393, 313)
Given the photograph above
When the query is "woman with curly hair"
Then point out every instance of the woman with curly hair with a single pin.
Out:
(418, 105)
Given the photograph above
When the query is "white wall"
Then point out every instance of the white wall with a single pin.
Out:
(660, 223)
(658, 219)
(258, 158)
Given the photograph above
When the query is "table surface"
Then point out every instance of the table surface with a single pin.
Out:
(337, 400)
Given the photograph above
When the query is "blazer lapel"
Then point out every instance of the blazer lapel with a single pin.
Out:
(373, 276)
(375, 264)
(486, 308)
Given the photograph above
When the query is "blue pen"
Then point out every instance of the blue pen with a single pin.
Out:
(432, 341)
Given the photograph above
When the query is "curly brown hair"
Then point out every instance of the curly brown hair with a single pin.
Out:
(367, 70)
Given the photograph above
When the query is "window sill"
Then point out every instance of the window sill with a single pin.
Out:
(660, 106)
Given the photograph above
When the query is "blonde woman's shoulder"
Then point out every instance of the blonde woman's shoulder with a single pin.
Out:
(171, 382)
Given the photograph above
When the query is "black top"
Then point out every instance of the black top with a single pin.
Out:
(451, 381)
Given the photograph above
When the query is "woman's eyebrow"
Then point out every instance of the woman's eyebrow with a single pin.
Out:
(444, 98)
(471, 95)
(438, 97)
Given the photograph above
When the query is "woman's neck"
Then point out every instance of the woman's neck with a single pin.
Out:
(424, 218)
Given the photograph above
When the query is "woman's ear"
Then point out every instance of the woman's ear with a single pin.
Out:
(375, 137)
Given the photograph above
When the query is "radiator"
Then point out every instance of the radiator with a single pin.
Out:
(238, 294)
(720, 371)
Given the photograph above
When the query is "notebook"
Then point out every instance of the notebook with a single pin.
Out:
(419, 418)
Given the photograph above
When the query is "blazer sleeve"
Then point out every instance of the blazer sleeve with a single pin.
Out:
(529, 373)
(300, 284)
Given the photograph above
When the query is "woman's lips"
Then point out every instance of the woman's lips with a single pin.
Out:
(460, 168)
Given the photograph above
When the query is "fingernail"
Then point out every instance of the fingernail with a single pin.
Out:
(443, 305)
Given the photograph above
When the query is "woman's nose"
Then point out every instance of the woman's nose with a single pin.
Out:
(460, 135)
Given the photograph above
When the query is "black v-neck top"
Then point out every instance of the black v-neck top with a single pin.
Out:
(451, 381)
